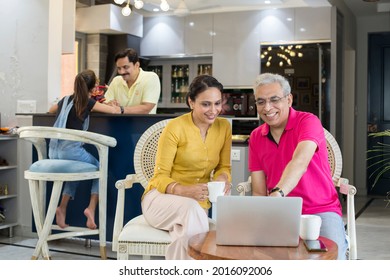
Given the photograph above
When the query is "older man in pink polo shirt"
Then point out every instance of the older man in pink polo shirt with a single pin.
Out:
(288, 157)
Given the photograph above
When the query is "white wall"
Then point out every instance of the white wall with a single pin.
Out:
(23, 55)
(30, 68)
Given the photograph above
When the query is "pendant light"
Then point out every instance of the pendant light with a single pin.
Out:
(126, 11)
(164, 5)
(138, 4)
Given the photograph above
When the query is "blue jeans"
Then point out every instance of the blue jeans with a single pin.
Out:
(332, 227)
(74, 151)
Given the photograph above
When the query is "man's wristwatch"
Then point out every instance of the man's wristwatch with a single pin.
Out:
(277, 189)
(122, 109)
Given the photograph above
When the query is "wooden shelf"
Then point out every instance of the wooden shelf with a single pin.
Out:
(8, 196)
(8, 225)
(8, 175)
(8, 167)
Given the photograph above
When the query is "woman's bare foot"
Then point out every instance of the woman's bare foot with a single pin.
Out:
(90, 218)
(60, 218)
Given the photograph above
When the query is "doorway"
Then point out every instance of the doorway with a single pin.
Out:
(378, 109)
(307, 68)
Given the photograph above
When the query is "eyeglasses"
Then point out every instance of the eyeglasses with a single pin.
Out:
(274, 100)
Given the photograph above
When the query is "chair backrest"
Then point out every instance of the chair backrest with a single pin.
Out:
(38, 135)
(145, 152)
(334, 156)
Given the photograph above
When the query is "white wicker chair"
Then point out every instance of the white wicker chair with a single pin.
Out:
(336, 165)
(137, 237)
(58, 171)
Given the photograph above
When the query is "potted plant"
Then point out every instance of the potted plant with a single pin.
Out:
(379, 159)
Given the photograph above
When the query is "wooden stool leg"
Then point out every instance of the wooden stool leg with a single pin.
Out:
(103, 253)
(42, 210)
(34, 196)
(44, 233)
(102, 216)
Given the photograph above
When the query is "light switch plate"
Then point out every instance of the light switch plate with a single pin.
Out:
(236, 155)
(26, 106)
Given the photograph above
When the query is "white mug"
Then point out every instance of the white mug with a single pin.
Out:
(310, 227)
(216, 188)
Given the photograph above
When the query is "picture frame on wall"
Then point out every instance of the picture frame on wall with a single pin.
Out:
(290, 80)
(316, 103)
(315, 89)
(295, 99)
(302, 83)
(305, 99)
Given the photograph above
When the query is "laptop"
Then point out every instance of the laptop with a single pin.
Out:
(258, 220)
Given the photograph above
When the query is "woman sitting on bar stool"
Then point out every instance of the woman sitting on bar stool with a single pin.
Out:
(73, 113)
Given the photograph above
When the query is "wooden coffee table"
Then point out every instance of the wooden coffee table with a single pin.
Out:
(202, 247)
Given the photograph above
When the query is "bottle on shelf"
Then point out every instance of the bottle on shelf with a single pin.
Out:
(180, 73)
(174, 72)
(177, 85)
(200, 69)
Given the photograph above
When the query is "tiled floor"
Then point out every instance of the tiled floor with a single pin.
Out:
(372, 226)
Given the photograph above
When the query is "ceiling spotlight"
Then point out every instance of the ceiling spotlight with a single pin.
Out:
(138, 4)
(119, 2)
(126, 11)
(164, 5)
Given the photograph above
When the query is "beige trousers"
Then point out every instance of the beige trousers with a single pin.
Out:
(183, 217)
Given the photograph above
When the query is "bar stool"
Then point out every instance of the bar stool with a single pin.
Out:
(59, 171)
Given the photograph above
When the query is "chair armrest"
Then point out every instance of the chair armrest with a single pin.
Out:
(244, 187)
(350, 191)
(121, 185)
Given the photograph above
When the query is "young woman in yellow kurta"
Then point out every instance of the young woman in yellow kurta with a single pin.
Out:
(193, 149)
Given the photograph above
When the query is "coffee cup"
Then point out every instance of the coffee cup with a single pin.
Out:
(310, 227)
(216, 188)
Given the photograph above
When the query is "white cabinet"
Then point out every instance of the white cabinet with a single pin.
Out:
(172, 35)
(163, 36)
(236, 48)
(8, 182)
(276, 25)
(198, 34)
(313, 24)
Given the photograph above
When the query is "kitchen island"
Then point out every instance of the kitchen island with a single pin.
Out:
(126, 129)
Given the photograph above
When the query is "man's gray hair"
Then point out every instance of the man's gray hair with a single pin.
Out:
(270, 78)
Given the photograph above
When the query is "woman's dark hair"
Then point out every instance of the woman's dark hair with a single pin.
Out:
(200, 84)
(83, 85)
(131, 54)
